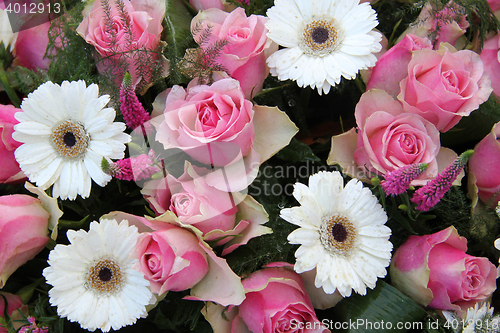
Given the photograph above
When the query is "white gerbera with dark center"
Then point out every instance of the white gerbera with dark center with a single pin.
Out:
(66, 131)
(342, 233)
(323, 39)
(93, 281)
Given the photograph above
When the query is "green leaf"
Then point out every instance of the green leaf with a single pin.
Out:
(26, 292)
(474, 127)
(383, 309)
(297, 151)
(178, 32)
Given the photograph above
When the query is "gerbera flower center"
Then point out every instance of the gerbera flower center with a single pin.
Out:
(104, 277)
(338, 234)
(70, 139)
(321, 37)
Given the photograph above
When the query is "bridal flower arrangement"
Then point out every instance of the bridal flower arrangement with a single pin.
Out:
(237, 166)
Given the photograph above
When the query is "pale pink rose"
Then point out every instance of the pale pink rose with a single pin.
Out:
(119, 53)
(443, 87)
(483, 166)
(193, 201)
(31, 45)
(244, 56)
(490, 55)
(220, 284)
(231, 219)
(276, 301)
(10, 171)
(389, 138)
(13, 302)
(23, 232)
(213, 124)
(445, 26)
(435, 271)
(392, 66)
(171, 259)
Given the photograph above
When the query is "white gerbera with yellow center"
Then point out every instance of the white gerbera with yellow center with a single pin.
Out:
(323, 39)
(93, 281)
(342, 233)
(66, 131)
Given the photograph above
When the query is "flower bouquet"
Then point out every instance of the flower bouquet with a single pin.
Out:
(237, 166)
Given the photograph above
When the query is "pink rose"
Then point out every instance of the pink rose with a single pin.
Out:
(31, 45)
(244, 56)
(443, 87)
(23, 232)
(231, 218)
(206, 4)
(446, 24)
(490, 55)
(14, 302)
(193, 201)
(392, 66)
(388, 138)
(10, 171)
(145, 18)
(494, 5)
(435, 271)
(483, 167)
(213, 124)
(276, 301)
(171, 259)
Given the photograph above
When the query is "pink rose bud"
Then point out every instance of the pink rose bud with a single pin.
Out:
(23, 232)
(171, 259)
(244, 56)
(31, 45)
(435, 271)
(206, 4)
(10, 170)
(14, 302)
(276, 298)
(490, 55)
(484, 164)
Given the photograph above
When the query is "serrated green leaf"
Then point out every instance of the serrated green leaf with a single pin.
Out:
(383, 309)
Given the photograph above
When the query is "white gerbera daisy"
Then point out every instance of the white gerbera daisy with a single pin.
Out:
(66, 133)
(93, 280)
(342, 233)
(323, 40)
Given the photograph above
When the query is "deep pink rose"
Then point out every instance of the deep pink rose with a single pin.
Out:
(171, 259)
(389, 138)
(483, 167)
(392, 66)
(276, 301)
(145, 18)
(443, 87)
(494, 5)
(490, 55)
(10, 171)
(23, 232)
(31, 45)
(213, 124)
(435, 271)
(14, 302)
(244, 56)
(193, 201)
